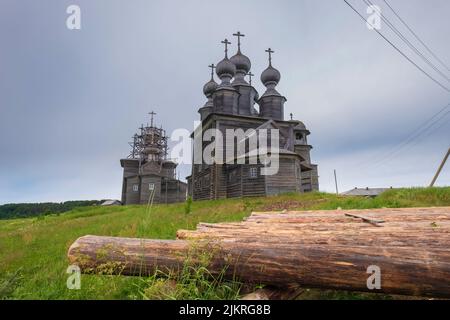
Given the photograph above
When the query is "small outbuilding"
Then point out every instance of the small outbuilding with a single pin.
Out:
(111, 203)
(365, 192)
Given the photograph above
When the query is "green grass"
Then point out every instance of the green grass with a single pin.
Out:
(33, 251)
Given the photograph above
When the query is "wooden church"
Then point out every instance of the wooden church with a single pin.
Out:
(148, 175)
(235, 104)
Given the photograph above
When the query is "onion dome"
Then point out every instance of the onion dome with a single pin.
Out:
(226, 69)
(211, 86)
(271, 104)
(270, 76)
(242, 63)
(243, 66)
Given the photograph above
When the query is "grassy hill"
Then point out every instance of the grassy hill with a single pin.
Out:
(33, 251)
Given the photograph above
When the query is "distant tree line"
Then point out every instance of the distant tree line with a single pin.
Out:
(23, 210)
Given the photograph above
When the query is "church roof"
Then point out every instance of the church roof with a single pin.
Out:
(111, 203)
(280, 151)
(300, 126)
(269, 124)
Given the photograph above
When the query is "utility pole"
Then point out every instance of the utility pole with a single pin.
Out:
(335, 181)
(436, 176)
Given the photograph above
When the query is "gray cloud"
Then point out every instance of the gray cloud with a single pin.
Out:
(70, 100)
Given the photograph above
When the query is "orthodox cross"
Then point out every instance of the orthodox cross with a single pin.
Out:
(151, 115)
(250, 75)
(226, 43)
(270, 51)
(239, 35)
(212, 66)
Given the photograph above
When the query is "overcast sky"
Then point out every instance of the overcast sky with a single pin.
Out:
(71, 99)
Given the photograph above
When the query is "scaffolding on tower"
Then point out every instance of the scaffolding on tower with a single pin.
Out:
(150, 144)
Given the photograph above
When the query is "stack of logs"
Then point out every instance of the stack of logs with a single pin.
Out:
(316, 249)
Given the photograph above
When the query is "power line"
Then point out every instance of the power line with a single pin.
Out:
(412, 139)
(424, 124)
(436, 128)
(417, 37)
(399, 51)
(411, 136)
(408, 43)
(429, 133)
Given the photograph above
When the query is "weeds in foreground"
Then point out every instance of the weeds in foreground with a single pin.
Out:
(9, 283)
(188, 205)
(190, 284)
(193, 282)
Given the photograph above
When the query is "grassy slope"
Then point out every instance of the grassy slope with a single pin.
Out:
(36, 249)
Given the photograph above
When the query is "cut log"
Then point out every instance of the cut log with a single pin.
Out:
(318, 250)
(406, 271)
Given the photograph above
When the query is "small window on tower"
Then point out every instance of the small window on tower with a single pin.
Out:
(298, 136)
(135, 187)
(151, 186)
(253, 172)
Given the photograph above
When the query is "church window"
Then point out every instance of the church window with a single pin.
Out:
(253, 172)
(298, 136)
(135, 187)
(151, 186)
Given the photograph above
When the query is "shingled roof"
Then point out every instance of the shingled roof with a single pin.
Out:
(365, 192)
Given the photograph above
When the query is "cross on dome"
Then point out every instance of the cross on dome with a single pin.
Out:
(270, 51)
(250, 75)
(226, 43)
(239, 35)
(151, 115)
(212, 66)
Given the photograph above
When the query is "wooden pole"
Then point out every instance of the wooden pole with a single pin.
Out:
(335, 181)
(436, 176)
